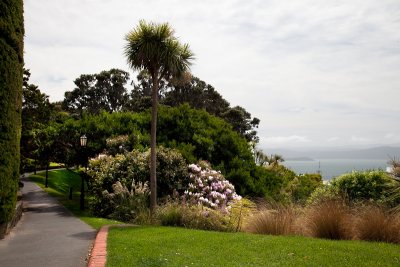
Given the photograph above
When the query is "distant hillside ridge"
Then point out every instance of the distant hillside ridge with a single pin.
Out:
(381, 152)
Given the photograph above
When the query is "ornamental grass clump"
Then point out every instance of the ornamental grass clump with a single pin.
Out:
(209, 188)
(279, 221)
(330, 219)
(376, 223)
(127, 205)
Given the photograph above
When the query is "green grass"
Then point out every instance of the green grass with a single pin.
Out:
(54, 164)
(168, 246)
(59, 182)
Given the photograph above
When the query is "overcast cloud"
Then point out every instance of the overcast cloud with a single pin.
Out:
(316, 73)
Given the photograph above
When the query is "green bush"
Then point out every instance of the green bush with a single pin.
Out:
(322, 193)
(363, 186)
(118, 144)
(196, 134)
(105, 171)
(302, 186)
(11, 69)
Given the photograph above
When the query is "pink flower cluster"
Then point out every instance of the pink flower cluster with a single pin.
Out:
(209, 188)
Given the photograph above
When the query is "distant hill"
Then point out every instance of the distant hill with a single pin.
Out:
(381, 152)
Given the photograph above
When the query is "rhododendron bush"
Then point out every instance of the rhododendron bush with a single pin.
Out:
(209, 188)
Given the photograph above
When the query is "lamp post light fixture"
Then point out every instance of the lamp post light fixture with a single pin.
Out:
(83, 140)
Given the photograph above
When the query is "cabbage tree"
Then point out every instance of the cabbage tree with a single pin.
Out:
(154, 48)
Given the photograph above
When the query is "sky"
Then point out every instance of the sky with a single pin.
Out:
(316, 73)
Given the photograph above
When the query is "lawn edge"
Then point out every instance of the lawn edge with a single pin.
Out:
(98, 254)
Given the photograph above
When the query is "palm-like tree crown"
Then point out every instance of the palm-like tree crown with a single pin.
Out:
(154, 47)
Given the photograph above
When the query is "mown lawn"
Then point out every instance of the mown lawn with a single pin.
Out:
(169, 246)
(59, 182)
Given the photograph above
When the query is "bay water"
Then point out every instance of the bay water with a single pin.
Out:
(330, 168)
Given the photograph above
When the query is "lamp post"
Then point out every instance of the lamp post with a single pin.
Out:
(83, 140)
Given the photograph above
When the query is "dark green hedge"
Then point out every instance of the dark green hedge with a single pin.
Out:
(11, 69)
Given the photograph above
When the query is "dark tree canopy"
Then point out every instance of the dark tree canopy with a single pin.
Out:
(37, 113)
(96, 92)
(199, 95)
(242, 122)
(36, 107)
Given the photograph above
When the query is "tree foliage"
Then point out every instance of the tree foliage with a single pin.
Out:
(96, 92)
(37, 114)
(199, 95)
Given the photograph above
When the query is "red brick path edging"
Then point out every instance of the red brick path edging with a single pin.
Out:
(98, 256)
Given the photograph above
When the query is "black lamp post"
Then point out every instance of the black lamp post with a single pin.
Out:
(83, 140)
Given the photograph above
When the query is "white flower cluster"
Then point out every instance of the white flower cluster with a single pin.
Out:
(209, 188)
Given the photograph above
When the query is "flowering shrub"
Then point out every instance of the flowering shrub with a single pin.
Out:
(107, 170)
(209, 188)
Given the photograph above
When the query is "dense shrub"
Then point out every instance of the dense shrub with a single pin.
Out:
(361, 186)
(106, 171)
(172, 171)
(322, 193)
(209, 188)
(195, 133)
(302, 186)
(11, 69)
(118, 144)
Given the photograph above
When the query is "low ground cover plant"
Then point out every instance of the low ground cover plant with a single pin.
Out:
(194, 217)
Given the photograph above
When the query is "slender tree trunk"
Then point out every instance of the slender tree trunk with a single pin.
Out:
(153, 133)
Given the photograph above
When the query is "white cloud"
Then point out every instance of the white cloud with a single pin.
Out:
(392, 137)
(314, 68)
(281, 140)
(333, 139)
(359, 139)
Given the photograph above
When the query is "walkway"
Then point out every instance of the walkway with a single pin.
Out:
(47, 235)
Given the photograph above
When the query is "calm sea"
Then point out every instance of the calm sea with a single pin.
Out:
(330, 168)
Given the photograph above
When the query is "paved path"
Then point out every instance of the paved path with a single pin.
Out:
(47, 235)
